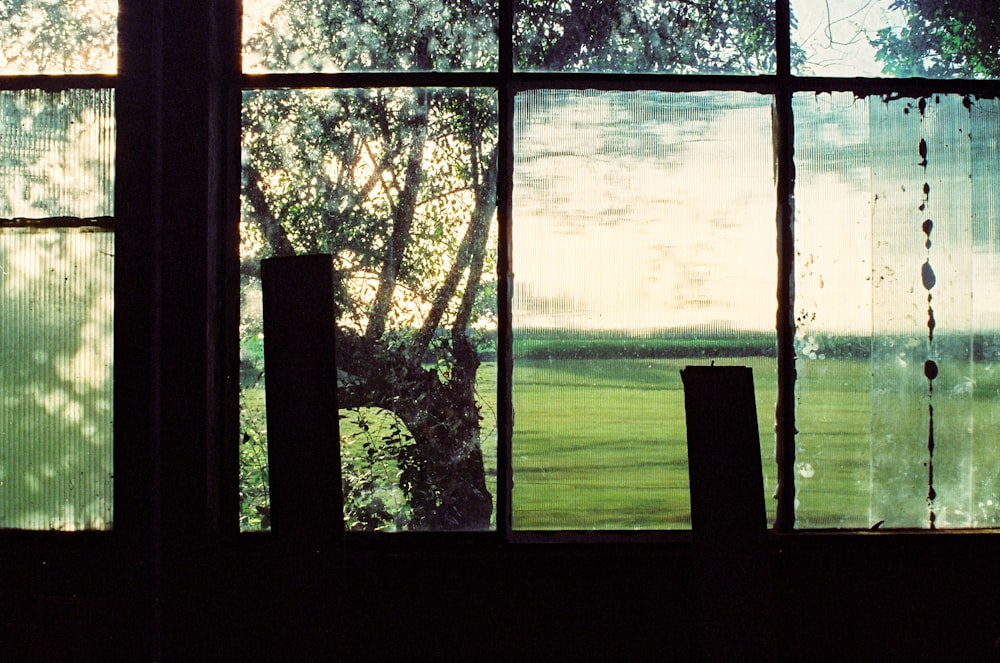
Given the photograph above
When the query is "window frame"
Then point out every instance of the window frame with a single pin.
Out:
(49, 82)
(782, 85)
(164, 82)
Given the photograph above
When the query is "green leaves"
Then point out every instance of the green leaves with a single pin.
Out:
(942, 39)
(720, 36)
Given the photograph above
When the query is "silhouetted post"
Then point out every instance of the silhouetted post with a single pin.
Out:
(303, 450)
(734, 598)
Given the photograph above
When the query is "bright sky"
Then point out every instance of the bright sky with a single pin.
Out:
(835, 34)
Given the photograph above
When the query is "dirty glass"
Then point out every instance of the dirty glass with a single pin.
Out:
(632, 36)
(56, 304)
(369, 35)
(897, 38)
(400, 186)
(58, 36)
(643, 241)
(897, 316)
(56, 153)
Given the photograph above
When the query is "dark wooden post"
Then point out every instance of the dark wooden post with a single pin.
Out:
(728, 520)
(303, 432)
(304, 454)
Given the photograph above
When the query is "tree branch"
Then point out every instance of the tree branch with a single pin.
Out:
(486, 203)
(274, 232)
(402, 220)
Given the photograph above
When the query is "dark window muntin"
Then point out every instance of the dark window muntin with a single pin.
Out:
(508, 82)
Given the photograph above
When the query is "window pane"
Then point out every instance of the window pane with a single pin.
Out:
(57, 153)
(369, 35)
(56, 303)
(56, 348)
(898, 320)
(720, 36)
(400, 185)
(643, 242)
(58, 36)
(904, 38)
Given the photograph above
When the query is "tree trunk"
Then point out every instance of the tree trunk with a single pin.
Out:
(442, 471)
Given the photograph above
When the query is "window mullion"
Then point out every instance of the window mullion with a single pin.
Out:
(505, 178)
(785, 218)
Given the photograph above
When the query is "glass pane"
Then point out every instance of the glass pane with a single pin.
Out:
(58, 36)
(56, 345)
(57, 153)
(897, 295)
(675, 36)
(400, 185)
(56, 303)
(369, 35)
(644, 241)
(903, 38)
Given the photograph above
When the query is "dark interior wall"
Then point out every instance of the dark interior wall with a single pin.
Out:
(859, 597)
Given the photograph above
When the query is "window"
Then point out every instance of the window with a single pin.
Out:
(57, 247)
(538, 213)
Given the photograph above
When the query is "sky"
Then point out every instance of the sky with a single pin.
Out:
(834, 34)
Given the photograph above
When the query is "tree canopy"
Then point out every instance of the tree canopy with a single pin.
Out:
(69, 36)
(942, 39)
(717, 36)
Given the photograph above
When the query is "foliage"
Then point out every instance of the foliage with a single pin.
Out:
(720, 36)
(942, 39)
(379, 35)
(372, 440)
(70, 36)
(255, 499)
(399, 184)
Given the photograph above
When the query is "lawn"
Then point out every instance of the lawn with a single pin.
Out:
(600, 443)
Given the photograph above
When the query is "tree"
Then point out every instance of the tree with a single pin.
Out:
(717, 36)
(70, 36)
(942, 39)
(400, 185)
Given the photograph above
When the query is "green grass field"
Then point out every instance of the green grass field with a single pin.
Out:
(600, 443)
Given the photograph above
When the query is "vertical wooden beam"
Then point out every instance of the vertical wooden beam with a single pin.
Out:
(303, 431)
(303, 453)
(134, 351)
(728, 519)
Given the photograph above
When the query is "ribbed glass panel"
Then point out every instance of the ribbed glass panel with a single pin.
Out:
(57, 153)
(833, 310)
(56, 345)
(898, 319)
(58, 36)
(643, 241)
(56, 307)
